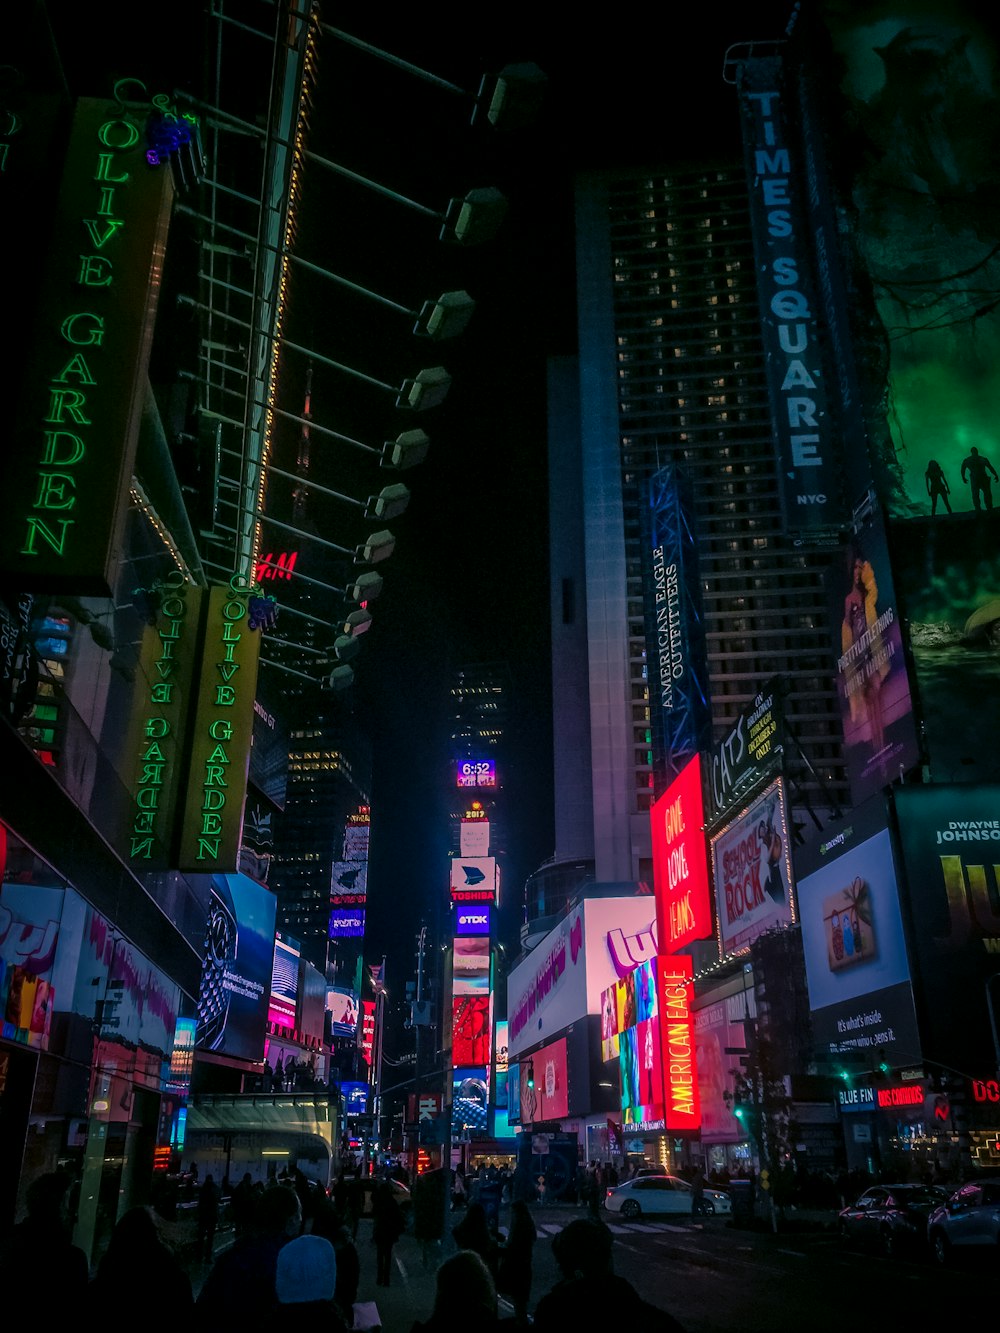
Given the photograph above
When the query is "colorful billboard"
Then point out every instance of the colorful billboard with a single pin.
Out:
(473, 879)
(349, 883)
(471, 966)
(948, 576)
(30, 918)
(720, 1032)
(476, 773)
(469, 1100)
(753, 872)
(680, 869)
(880, 733)
(474, 920)
(656, 1047)
(675, 992)
(355, 1097)
(749, 750)
(342, 1005)
(950, 837)
(281, 1008)
(367, 1032)
(855, 954)
(236, 968)
(809, 469)
(544, 1084)
(470, 1029)
(346, 923)
(639, 1050)
(474, 834)
(564, 976)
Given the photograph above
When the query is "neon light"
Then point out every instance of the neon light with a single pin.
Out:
(675, 984)
(904, 1096)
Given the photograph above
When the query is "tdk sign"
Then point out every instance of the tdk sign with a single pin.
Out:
(472, 920)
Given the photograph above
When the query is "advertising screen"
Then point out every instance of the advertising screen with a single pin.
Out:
(752, 870)
(367, 1028)
(640, 1050)
(342, 1004)
(950, 837)
(609, 1023)
(474, 837)
(544, 1090)
(470, 1030)
(269, 748)
(675, 992)
(284, 982)
(236, 969)
(474, 879)
(474, 920)
(749, 750)
(355, 1097)
(346, 923)
(471, 966)
(680, 870)
(880, 734)
(718, 1028)
(349, 883)
(476, 773)
(29, 933)
(469, 1100)
(855, 955)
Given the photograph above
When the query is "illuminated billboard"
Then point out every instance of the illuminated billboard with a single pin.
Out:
(476, 773)
(474, 833)
(880, 734)
(719, 1031)
(474, 879)
(236, 969)
(680, 869)
(469, 1100)
(544, 1084)
(656, 1046)
(472, 920)
(471, 965)
(750, 749)
(675, 991)
(284, 982)
(355, 1097)
(470, 1029)
(346, 923)
(855, 954)
(342, 1005)
(753, 872)
(640, 1050)
(950, 837)
(367, 1034)
(349, 883)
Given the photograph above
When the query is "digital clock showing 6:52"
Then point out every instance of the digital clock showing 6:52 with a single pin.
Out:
(476, 773)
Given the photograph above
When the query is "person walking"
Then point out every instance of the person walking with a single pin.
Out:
(135, 1264)
(388, 1226)
(473, 1233)
(208, 1217)
(514, 1268)
(981, 475)
(697, 1193)
(465, 1297)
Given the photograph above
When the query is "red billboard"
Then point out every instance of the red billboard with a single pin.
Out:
(675, 991)
(544, 1080)
(680, 867)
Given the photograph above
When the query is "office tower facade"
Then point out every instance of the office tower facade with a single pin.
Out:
(672, 375)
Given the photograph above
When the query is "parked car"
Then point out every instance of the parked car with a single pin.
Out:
(971, 1217)
(654, 1195)
(651, 1171)
(892, 1218)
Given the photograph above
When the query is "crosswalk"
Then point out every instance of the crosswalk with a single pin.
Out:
(551, 1229)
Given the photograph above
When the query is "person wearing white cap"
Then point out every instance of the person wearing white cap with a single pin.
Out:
(306, 1277)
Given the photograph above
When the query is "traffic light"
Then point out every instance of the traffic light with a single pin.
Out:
(531, 1073)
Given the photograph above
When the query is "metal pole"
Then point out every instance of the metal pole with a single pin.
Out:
(380, 1028)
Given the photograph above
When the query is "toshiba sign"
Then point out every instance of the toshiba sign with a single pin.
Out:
(680, 867)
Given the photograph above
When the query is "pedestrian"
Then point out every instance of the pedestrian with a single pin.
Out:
(38, 1254)
(305, 1279)
(208, 1217)
(429, 1191)
(240, 1286)
(473, 1233)
(330, 1223)
(465, 1297)
(135, 1264)
(590, 1295)
(514, 1267)
(697, 1192)
(242, 1205)
(389, 1224)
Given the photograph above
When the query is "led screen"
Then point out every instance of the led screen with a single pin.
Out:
(470, 1032)
(474, 879)
(342, 1004)
(680, 871)
(719, 1033)
(284, 982)
(544, 1084)
(346, 923)
(474, 920)
(476, 773)
(236, 971)
(471, 965)
(752, 870)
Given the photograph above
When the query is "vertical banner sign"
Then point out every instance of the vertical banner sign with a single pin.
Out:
(165, 686)
(682, 1109)
(68, 465)
(808, 459)
(675, 636)
(221, 732)
(680, 866)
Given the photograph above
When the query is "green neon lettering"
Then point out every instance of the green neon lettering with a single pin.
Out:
(156, 726)
(164, 669)
(143, 821)
(215, 776)
(52, 491)
(173, 608)
(69, 401)
(153, 751)
(218, 756)
(211, 823)
(225, 696)
(234, 610)
(101, 234)
(107, 194)
(92, 336)
(229, 634)
(142, 847)
(161, 692)
(230, 650)
(227, 670)
(76, 365)
(95, 271)
(148, 798)
(103, 172)
(222, 730)
(152, 774)
(37, 527)
(167, 642)
(208, 849)
(112, 129)
(214, 799)
(51, 452)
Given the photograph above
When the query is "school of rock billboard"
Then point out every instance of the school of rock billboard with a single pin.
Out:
(876, 710)
(950, 838)
(752, 870)
(857, 966)
(921, 103)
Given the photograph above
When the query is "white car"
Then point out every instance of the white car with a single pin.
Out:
(650, 1196)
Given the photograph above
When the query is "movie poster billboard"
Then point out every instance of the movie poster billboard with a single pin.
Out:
(876, 710)
(950, 837)
(752, 871)
(920, 94)
(342, 1005)
(544, 1079)
(857, 966)
(720, 1032)
(236, 968)
(680, 868)
(949, 587)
